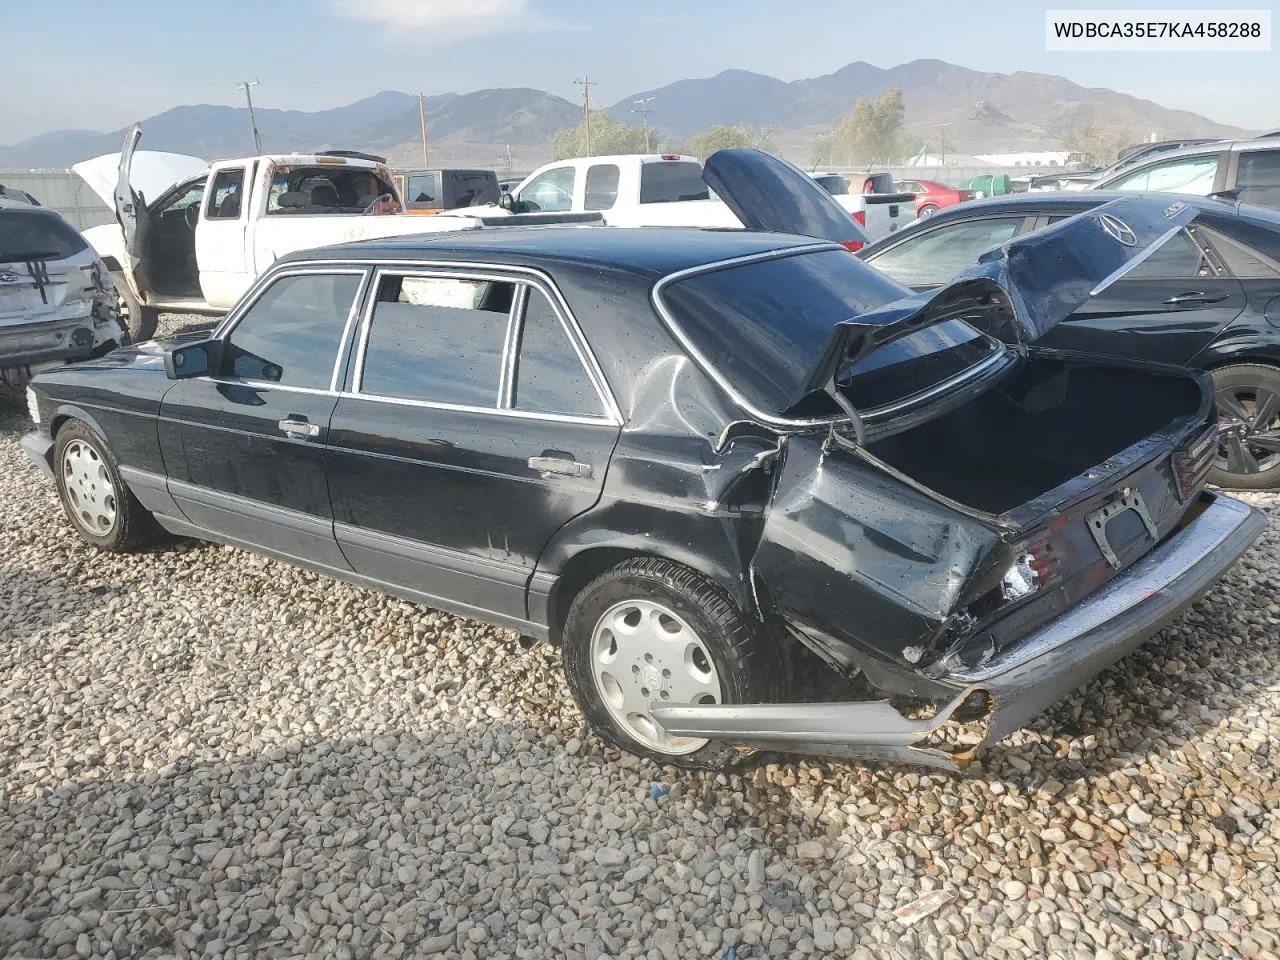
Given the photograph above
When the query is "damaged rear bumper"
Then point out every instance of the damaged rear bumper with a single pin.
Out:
(1019, 682)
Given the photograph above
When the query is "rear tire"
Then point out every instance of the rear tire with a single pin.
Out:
(649, 629)
(104, 511)
(928, 210)
(1249, 454)
(140, 321)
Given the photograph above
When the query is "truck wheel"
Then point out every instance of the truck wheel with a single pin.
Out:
(141, 321)
(1248, 396)
(102, 509)
(650, 630)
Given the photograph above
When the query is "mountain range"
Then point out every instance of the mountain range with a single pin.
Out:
(980, 113)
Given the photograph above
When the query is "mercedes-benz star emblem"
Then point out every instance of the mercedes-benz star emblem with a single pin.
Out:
(1117, 229)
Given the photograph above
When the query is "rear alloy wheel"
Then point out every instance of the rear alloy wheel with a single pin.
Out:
(651, 631)
(1248, 397)
(101, 508)
(140, 321)
(928, 210)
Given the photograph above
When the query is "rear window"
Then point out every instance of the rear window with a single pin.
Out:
(36, 234)
(765, 325)
(470, 188)
(298, 190)
(666, 181)
(834, 185)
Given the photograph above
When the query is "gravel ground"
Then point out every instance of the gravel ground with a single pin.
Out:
(204, 753)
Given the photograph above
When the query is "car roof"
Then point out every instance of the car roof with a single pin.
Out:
(1204, 147)
(1070, 202)
(652, 251)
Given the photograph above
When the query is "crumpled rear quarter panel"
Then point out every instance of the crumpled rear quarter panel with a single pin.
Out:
(853, 553)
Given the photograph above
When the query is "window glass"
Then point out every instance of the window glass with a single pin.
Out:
(550, 377)
(835, 185)
(437, 339)
(1180, 257)
(298, 189)
(421, 188)
(470, 188)
(935, 256)
(32, 233)
(1243, 260)
(1194, 175)
(225, 195)
(292, 333)
(551, 192)
(602, 186)
(665, 181)
(187, 198)
(1258, 177)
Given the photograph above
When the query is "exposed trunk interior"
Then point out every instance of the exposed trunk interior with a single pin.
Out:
(1047, 423)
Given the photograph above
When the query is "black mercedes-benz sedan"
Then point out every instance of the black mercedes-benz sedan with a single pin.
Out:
(1209, 298)
(683, 455)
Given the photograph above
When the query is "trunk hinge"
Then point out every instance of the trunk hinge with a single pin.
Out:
(859, 431)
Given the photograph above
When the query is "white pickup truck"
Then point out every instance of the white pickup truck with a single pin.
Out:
(212, 229)
(667, 190)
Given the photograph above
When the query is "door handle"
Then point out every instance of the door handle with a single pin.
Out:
(1196, 296)
(299, 428)
(565, 466)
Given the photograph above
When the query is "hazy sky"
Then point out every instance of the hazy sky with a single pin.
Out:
(309, 54)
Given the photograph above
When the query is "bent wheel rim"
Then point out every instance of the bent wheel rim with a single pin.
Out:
(642, 653)
(1249, 437)
(91, 496)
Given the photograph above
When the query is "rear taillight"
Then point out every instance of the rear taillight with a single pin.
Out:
(853, 246)
(1192, 465)
(861, 217)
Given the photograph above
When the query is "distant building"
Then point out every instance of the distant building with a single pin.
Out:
(1044, 158)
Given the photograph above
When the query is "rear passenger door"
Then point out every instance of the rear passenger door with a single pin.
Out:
(474, 425)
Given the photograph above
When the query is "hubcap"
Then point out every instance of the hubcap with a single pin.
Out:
(90, 492)
(641, 653)
(1247, 422)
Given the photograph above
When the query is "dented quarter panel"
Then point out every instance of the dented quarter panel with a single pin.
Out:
(851, 552)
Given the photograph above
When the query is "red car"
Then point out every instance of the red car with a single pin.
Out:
(932, 196)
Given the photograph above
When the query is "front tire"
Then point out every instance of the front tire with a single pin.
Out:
(140, 321)
(649, 630)
(1248, 396)
(104, 512)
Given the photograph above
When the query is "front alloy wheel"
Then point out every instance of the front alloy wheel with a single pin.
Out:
(91, 496)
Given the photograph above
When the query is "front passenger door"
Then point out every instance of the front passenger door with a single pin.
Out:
(245, 447)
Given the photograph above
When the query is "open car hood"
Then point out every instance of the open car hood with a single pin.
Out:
(771, 195)
(1021, 290)
(151, 173)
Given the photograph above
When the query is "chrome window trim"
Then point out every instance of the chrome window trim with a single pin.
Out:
(510, 347)
(466, 408)
(784, 423)
(463, 270)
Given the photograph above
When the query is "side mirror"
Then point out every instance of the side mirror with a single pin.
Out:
(192, 359)
(509, 203)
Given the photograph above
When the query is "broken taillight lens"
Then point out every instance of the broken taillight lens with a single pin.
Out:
(853, 246)
(1191, 465)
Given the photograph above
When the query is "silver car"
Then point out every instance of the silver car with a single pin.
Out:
(57, 301)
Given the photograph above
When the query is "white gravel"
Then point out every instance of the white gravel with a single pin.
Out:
(204, 753)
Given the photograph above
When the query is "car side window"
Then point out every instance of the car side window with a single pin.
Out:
(225, 195)
(602, 186)
(1194, 175)
(935, 256)
(292, 333)
(550, 192)
(1180, 258)
(421, 188)
(1258, 177)
(550, 377)
(1244, 261)
(438, 339)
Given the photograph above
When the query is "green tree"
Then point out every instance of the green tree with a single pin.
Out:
(722, 137)
(608, 136)
(871, 132)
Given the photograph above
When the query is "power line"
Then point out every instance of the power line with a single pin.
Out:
(253, 124)
(644, 111)
(586, 83)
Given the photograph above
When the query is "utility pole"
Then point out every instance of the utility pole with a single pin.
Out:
(422, 119)
(253, 125)
(644, 111)
(586, 83)
(944, 142)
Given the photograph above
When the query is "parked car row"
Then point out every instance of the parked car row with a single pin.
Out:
(685, 455)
